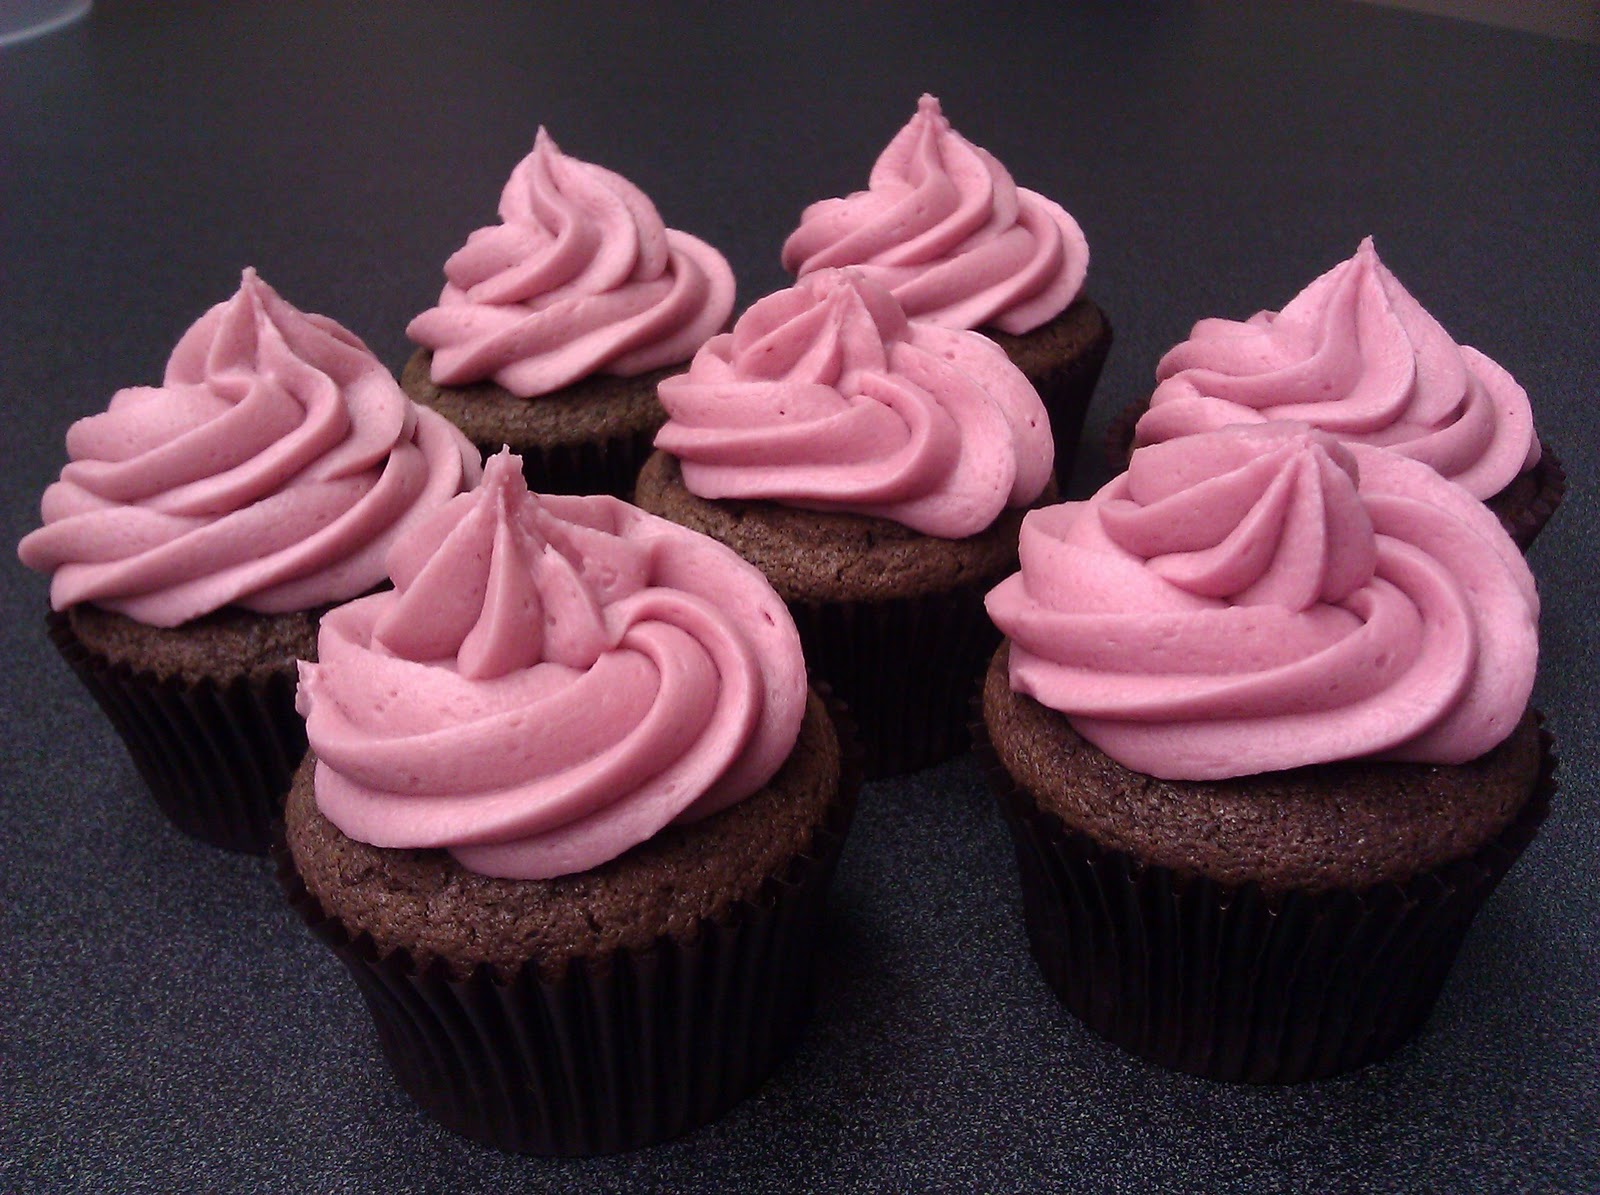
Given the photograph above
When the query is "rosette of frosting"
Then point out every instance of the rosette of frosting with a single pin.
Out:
(1259, 598)
(1354, 355)
(580, 277)
(551, 681)
(943, 226)
(825, 396)
(271, 470)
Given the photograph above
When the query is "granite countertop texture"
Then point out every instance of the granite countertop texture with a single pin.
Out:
(165, 1024)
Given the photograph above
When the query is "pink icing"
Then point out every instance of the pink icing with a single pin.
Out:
(943, 226)
(580, 277)
(1355, 355)
(271, 469)
(551, 681)
(1263, 597)
(825, 396)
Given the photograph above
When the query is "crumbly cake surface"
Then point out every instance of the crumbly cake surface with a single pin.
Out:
(820, 556)
(1337, 825)
(219, 647)
(599, 407)
(1070, 336)
(428, 904)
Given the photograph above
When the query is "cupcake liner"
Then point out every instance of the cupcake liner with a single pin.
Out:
(608, 466)
(1230, 982)
(1066, 390)
(621, 1051)
(1118, 442)
(217, 758)
(905, 667)
(1550, 486)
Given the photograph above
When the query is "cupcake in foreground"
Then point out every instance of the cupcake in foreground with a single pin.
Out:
(555, 325)
(944, 228)
(1263, 742)
(200, 528)
(568, 817)
(1356, 356)
(876, 470)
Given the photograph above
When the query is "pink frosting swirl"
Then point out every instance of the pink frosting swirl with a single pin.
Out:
(825, 396)
(271, 470)
(580, 277)
(944, 227)
(1259, 598)
(1354, 355)
(551, 681)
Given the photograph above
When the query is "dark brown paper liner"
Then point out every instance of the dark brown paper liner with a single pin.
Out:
(1229, 982)
(622, 1051)
(217, 758)
(905, 667)
(1066, 390)
(1550, 486)
(1118, 442)
(607, 466)
(1523, 523)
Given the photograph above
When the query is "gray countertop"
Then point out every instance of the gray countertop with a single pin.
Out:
(166, 1025)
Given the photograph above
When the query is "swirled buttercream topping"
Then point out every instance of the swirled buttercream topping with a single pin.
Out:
(943, 226)
(825, 396)
(1263, 597)
(579, 277)
(1354, 355)
(551, 681)
(271, 470)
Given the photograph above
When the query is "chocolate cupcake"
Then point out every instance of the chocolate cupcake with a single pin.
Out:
(202, 526)
(569, 819)
(875, 469)
(1262, 739)
(555, 325)
(944, 228)
(1356, 356)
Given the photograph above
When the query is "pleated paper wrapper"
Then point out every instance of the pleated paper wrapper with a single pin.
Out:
(905, 667)
(217, 758)
(604, 466)
(1066, 389)
(1233, 983)
(621, 1051)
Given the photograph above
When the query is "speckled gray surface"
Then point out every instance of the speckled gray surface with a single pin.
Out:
(163, 1023)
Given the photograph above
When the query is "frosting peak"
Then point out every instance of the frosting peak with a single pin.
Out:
(271, 469)
(1355, 355)
(1261, 598)
(580, 277)
(826, 396)
(552, 680)
(491, 590)
(1268, 519)
(943, 226)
